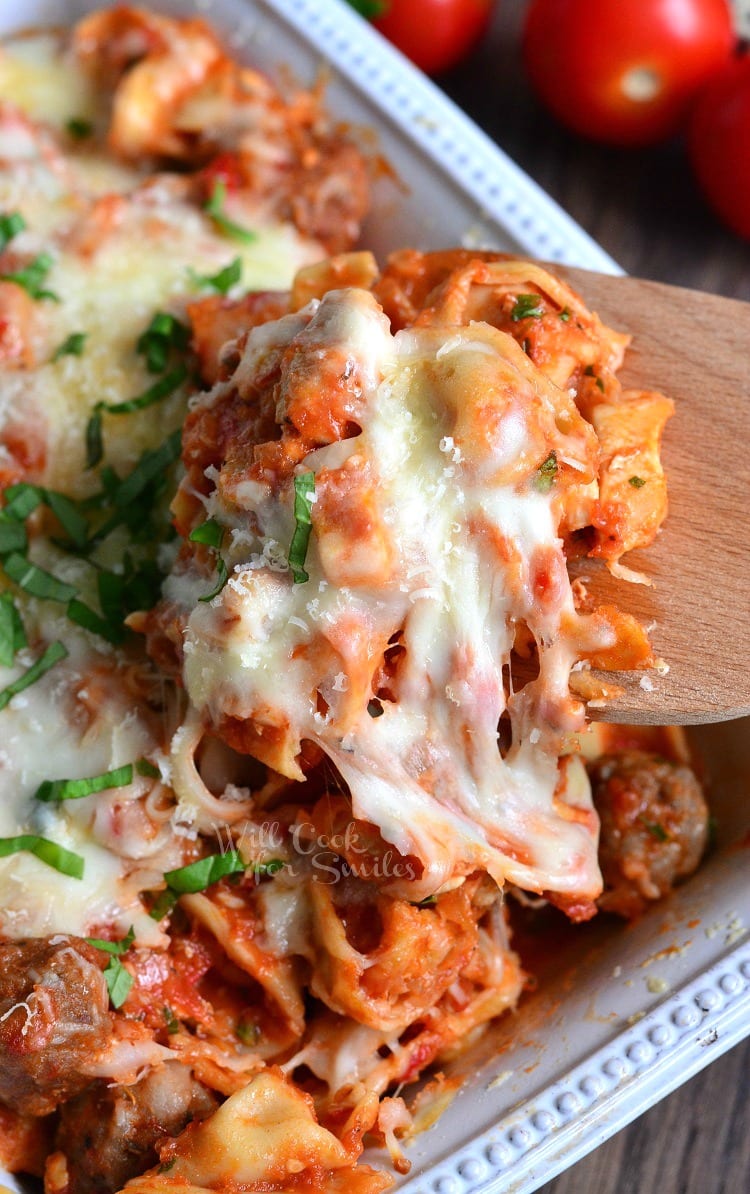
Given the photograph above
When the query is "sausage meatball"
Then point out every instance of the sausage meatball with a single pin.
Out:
(53, 1017)
(654, 827)
(109, 1133)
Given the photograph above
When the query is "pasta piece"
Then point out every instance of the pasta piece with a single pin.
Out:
(632, 501)
(265, 1137)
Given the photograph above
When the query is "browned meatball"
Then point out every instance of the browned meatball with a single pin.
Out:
(109, 1133)
(654, 827)
(53, 1017)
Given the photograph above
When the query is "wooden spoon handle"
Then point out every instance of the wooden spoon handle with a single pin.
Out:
(696, 348)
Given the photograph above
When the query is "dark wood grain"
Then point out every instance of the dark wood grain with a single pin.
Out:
(642, 207)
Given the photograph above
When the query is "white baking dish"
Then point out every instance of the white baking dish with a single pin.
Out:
(626, 1014)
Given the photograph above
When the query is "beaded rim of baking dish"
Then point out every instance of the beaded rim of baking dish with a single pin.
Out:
(550, 1132)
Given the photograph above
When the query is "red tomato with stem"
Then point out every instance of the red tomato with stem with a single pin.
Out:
(719, 144)
(435, 34)
(624, 71)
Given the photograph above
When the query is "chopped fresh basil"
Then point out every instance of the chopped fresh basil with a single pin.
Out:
(35, 580)
(223, 281)
(162, 334)
(22, 499)
(147, 769)
(55, 790)
(64, 861)
(156, 393)
(72, 346)
(527, 306)
(427, 902)
(11, 223)
(142, 585)
(197, 876)
(210, 532)
(248, 1032)
(68, 515)
(215, 209)
(110, 587)
(272, 867)
(655, 829)
(636, 482)
(12, 633)
(149, 467)
(116, 948)
(222, 576)
(152, 463)
(173, 1024)
(94, 441)
(31, 278)
(590, 372)
(78, 128)
(86, 617)
(119, 982)
(546, 473)
(164, 903)
(304, 488)
(54, 653)
(13, 536)
(564, 315)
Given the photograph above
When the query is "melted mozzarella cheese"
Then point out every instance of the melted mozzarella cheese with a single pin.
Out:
(448, 556)
(45, 83)
(74, 722)
(122, 249)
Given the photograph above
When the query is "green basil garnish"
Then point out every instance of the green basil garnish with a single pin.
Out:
(527, 306)
(214, 208)
(11, 223)
(304, 488)
(164, 333)
(223, 281)
(54, 653)
(55, 790)
(72, 346)
(12, 633)
(197, 876)
(64, 861)
(31, 278)
(546, 473)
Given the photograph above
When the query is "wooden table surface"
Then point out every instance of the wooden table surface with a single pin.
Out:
(644, 210)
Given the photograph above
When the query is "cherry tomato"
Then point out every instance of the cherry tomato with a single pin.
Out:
(624, 71)
(719, 144)
(435, 34)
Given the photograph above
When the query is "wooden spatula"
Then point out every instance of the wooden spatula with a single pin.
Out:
(695, 348)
